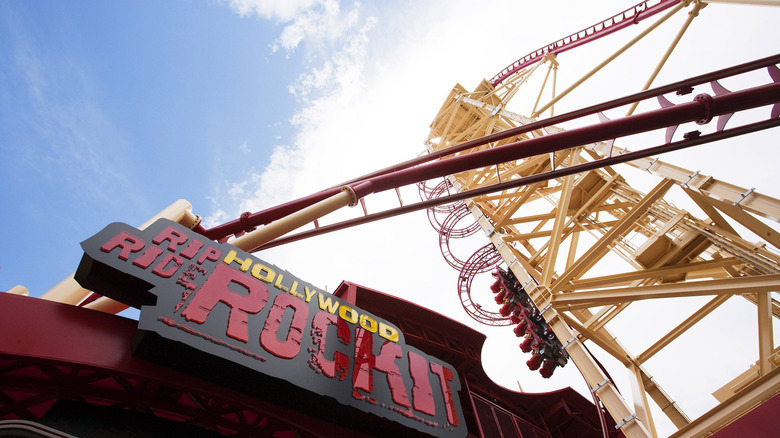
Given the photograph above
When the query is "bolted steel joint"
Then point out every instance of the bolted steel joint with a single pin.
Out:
(706, 100)
(353, 198)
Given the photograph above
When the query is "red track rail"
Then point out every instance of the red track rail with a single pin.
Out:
(413, 171)
(697, 109)
(630, 16)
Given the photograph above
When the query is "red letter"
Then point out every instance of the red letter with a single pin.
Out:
(319, 331)
(126, 241)
(385, 362)
(168, 273)
(269, 338)
(215, 290)
(422, 393)
(445, 377)
(192, 249)
(148, 257)
(366, 362)
(210, 254)
(174, 238)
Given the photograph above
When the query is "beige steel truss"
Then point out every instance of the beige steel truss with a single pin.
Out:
(591, 218)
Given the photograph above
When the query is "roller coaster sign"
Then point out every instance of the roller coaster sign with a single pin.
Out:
(219, 313)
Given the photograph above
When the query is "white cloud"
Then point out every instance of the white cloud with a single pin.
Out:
(341, 72)
(272, 186)
(277, 10)
(216, 217)
(321, 23)
(308, 81)
(324, 89)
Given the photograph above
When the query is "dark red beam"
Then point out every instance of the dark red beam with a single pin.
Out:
(679, 87)
(698, 109)
(249, 221)
(508, 185)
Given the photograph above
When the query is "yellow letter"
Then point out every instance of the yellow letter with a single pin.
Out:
(294, 288)
(245, 263)
(309, 293)
(331, 305)
(257, 269)
(388, 332)
(279, 285)
(368, 323)
(353, 316)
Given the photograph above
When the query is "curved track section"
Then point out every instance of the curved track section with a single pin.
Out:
(448, 231)
(630, 16)
(486, 259)
(434, 213)
(455, 212)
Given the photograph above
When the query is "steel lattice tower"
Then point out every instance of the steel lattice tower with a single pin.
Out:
(586, 246)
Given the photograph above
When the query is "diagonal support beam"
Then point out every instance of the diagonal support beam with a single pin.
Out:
(604, 245)
(682, 328)
(748, 221)
(625, 279)
(729, 286)
(556, 236)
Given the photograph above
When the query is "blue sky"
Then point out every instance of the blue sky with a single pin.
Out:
(110, 111)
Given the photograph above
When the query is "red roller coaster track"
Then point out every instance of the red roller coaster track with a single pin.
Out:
(630, 16)
(416, 170)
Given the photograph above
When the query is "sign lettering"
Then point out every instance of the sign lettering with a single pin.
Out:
(210, 301)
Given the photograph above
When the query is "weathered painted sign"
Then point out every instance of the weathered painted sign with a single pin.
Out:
(207, 307)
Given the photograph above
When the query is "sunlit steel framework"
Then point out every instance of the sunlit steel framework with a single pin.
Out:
(561, 235)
